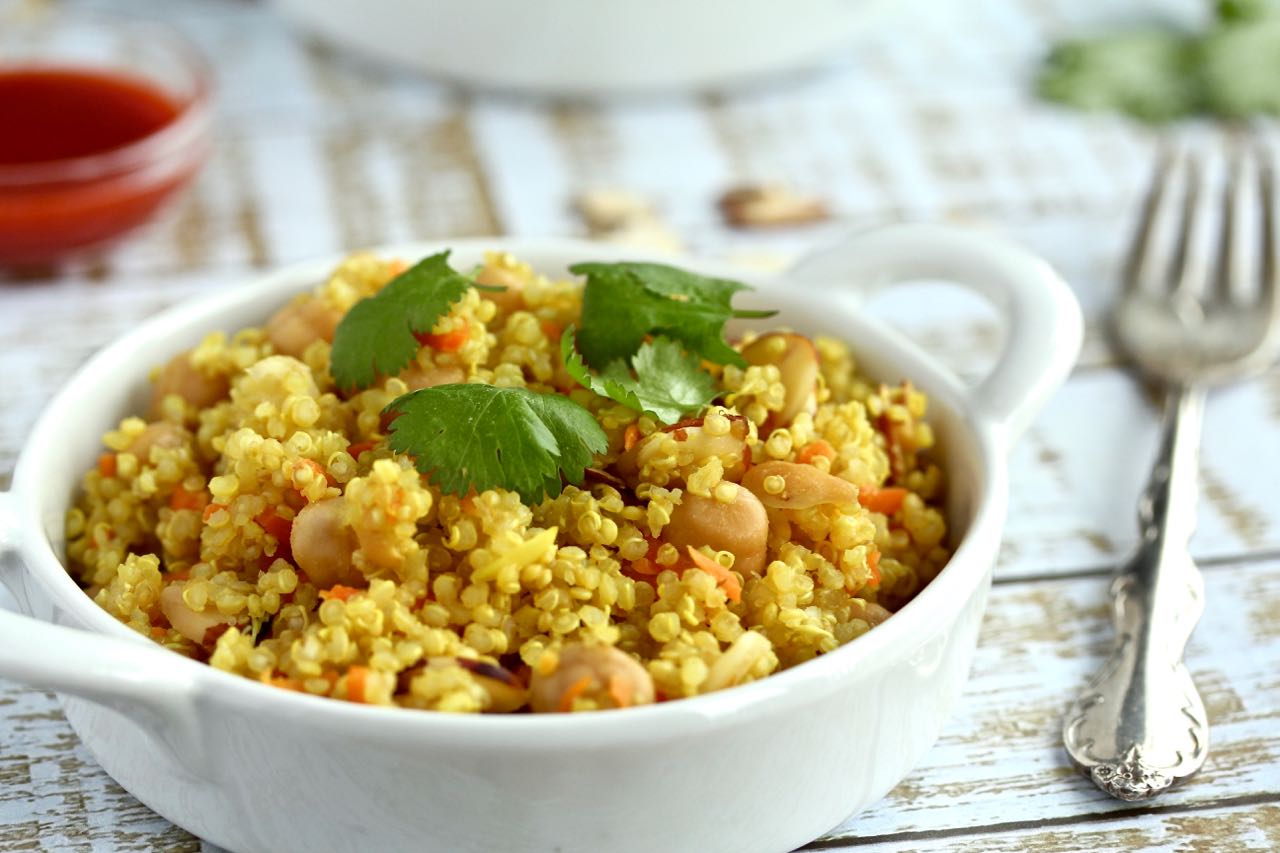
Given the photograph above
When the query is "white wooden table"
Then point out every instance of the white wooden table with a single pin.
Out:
(317, 152)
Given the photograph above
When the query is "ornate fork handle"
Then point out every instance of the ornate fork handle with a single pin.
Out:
(1140, 726)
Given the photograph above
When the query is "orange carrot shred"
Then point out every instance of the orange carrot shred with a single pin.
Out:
(182, 499)
(278, 527)
(357, 679)
(725, 579)
(817, 447)
(552, 330)
(450, 341)
(630, 436)
(885, 501)
(339, 591)
(107, 464)
(873, 563)
(211, 509)
(573, 692)
(360, 447)
(645, 566)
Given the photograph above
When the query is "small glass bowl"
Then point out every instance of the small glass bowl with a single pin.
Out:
(54, 209)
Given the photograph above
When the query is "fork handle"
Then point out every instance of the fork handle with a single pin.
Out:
(1140, 726)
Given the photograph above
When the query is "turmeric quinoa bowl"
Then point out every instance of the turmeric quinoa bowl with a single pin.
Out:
(726, 510)
(764, 766)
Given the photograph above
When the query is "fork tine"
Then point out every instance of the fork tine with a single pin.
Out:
(1270, 260)
(1138, 266)
(1187, 266)
(1228, 269)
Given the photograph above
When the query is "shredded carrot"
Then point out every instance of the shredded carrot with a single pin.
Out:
(178, 576)
(157, 633)
(107, 464)
(573, 692)
(873, 563)
(884, 501)
(450, 341)
(817, 447)
(553, 331)
(725, 579)
(338, 591)
(621, 690)
(182, 499)
(357, 679)
(645, 566)
(211, 509)
(286, 684)
(275, 525)
(360, 447)
(630, 436)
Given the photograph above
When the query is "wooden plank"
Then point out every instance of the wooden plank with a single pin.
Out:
(1227, 829)
(1000, 758)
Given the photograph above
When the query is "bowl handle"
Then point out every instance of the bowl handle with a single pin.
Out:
(145, 684)
(1043, 327)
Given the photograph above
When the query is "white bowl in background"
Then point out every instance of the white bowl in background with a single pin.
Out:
(591, 47)
(762, 767)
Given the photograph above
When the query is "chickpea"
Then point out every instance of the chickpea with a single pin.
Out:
(610, 676)
(429, 377)
(792, 485)
(511, 299)
(158, 434)
(873, 613)
(322, 544)
(740, 527)
(184, 379)
(297, 325)
(192, 624)
(797, 361)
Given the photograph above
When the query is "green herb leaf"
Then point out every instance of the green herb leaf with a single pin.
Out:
(484, 437)
(668, 383)
(376, 336)
(623, 303)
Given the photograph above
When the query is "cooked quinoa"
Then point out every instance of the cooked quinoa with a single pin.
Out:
(257, 519)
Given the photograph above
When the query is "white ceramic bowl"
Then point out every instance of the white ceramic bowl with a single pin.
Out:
(761, 767)
(591, 47)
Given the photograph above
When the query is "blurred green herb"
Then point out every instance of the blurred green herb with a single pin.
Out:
(1231, 70)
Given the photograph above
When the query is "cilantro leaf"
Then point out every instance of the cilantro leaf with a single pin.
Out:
(668, 383)
(483, 437)
(376, 335)
(624, 303)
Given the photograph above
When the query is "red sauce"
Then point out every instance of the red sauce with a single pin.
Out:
(53, 116)
(61, 113)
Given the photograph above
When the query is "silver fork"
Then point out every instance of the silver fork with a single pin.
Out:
(1186, 320)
